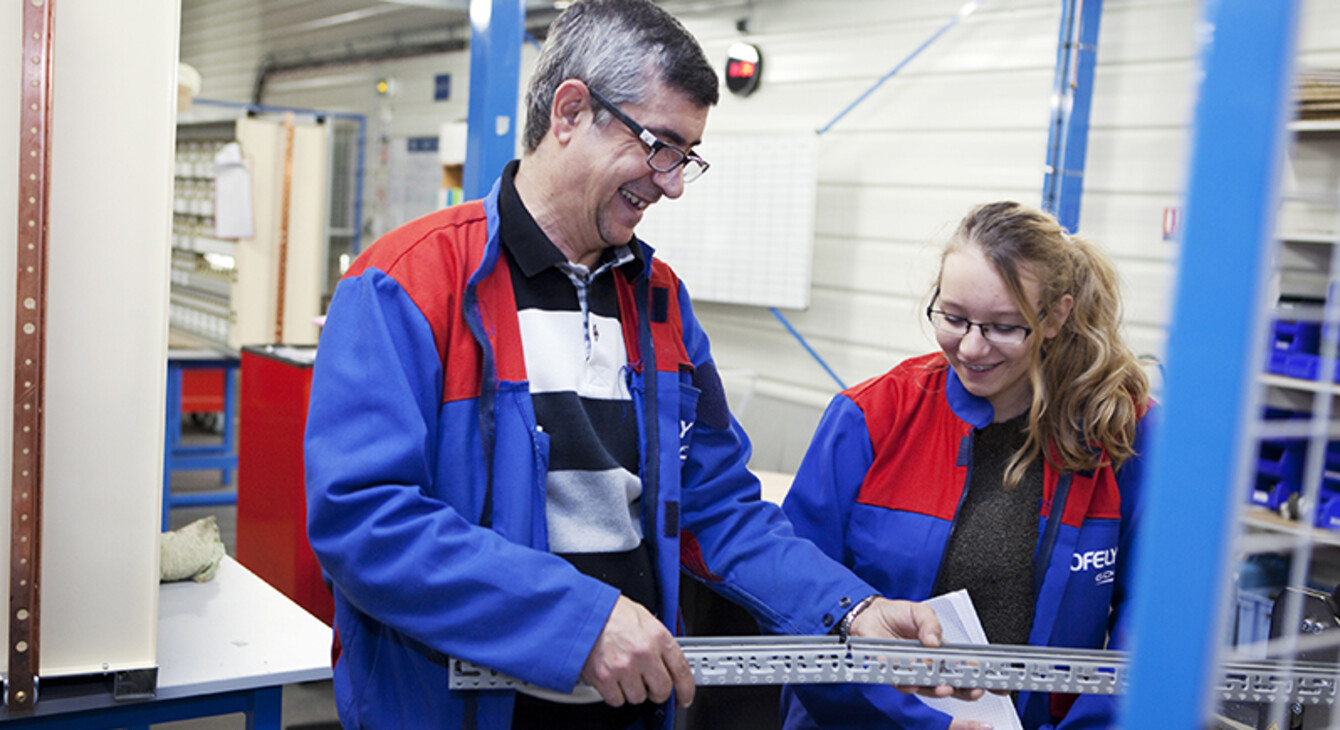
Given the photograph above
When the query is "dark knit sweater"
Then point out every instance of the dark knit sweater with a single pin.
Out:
(990, 552)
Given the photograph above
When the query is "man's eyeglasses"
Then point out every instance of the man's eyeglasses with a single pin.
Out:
(664, 156)
(1000, 334)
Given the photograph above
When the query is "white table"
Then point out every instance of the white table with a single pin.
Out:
(225, 646)
(775, 485)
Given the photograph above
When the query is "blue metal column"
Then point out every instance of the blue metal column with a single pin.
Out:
(171, 437)
(1072, 95)
(1199, 462)
(496, 30)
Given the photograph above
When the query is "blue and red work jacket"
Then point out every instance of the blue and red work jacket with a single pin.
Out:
(879, 490)
(426, 477)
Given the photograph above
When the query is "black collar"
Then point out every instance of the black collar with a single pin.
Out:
(527, 243)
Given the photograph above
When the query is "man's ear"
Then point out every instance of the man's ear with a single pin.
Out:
(571, 107)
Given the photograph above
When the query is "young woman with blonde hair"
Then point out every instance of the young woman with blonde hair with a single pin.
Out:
(1008, 464)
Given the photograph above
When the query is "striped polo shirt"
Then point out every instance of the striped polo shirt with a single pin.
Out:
(575, 362)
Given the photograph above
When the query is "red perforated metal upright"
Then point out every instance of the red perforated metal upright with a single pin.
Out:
(271, 502)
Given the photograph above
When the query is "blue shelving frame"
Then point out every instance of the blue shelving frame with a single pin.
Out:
(1072, 98)
(497, 30)
(1200, 458)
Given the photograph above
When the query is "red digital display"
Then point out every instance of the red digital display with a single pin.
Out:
(741, 69)
(744, 66)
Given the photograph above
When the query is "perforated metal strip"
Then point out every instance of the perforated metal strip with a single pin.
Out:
(818, 660)
(286, 194)
(29, 358)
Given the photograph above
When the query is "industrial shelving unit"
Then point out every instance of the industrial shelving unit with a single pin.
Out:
(203, 265)
(1240, 554)
(267, 287)
(1288, 541)
(1206, 453)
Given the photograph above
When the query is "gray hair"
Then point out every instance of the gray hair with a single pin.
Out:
(620, 47)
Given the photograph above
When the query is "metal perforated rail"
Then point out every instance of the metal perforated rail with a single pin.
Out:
(826, 660)
(26, 479)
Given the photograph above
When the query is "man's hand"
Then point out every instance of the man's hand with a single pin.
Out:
(636, 658)
(885, 619)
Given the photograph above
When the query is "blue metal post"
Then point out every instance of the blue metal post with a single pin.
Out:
(496, 30)
(1199, 462)
(171, 438)
(265, 709)
(1072, 95)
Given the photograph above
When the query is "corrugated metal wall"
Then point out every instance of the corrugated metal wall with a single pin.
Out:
(964, 123)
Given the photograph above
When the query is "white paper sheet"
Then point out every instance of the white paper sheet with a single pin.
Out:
(232, 194)
(958, 619)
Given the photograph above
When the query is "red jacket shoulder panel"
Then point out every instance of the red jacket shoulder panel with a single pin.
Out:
(918, 442)
(908, 422)
(432, 258)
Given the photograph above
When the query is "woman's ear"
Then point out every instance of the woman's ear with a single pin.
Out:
(1051, 327)
(571, 99)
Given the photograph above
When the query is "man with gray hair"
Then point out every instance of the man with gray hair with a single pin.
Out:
(517, 435)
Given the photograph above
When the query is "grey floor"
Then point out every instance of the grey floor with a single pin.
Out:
(307, 706)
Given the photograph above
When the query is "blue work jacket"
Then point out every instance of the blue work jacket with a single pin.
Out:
(426, 479)
(879, 490)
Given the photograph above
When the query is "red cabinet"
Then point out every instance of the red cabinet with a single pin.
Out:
(271, 498)
(202, 391)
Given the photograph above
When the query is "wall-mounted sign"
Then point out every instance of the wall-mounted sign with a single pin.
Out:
(744, 66)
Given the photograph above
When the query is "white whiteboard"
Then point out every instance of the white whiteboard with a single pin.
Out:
(744, 232)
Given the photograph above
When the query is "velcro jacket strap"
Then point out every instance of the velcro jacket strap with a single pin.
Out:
(667, 327)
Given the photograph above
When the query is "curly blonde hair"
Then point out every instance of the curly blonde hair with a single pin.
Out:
(1089, 390)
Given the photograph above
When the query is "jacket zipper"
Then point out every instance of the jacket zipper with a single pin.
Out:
(1043, 559)
(963, 457)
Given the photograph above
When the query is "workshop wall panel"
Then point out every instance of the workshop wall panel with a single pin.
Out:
(1151, 95)
(1132, 223)
(950, 130)
(223, 41)
(407, 110)
(952, 102)
(795, 50)
(965, 122)
(1148, 32)
(1136, 160)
